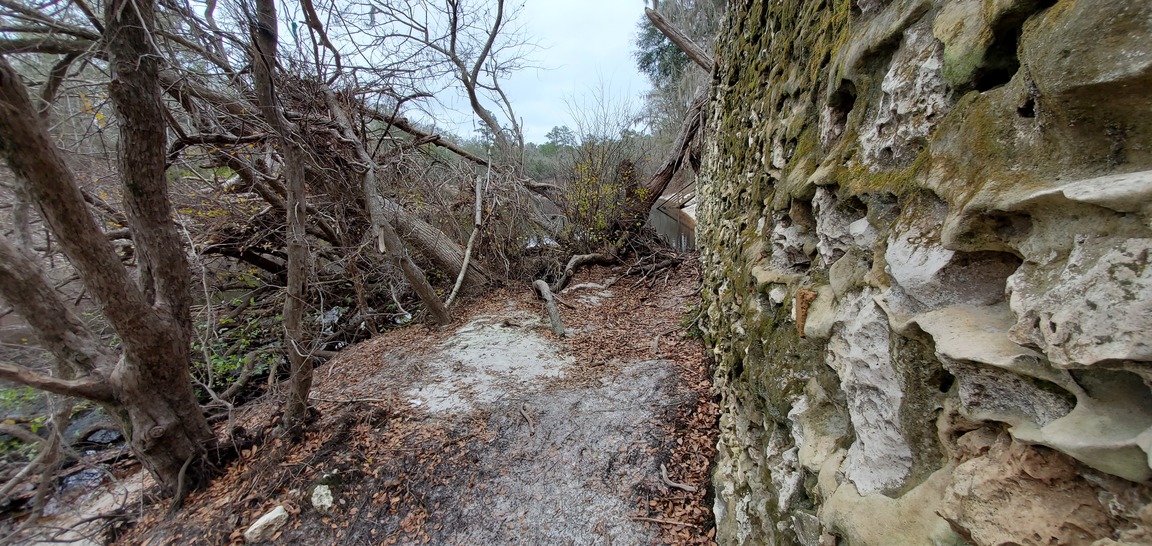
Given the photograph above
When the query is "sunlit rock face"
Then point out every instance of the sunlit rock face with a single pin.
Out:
(927, 233)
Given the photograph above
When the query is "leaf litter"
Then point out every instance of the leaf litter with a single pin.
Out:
(490, 431)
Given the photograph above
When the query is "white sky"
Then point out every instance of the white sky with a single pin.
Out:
(585, 45)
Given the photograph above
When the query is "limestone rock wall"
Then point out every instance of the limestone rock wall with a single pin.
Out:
(927, 227)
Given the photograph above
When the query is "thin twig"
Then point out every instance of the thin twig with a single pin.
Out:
(350, 400)
(531, 423)
(663, 521)
(668, 481)
(476, 224)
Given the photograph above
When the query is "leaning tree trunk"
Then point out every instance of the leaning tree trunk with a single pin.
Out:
(385, 233)
(263, 64)
(149, 388)
(433, 244)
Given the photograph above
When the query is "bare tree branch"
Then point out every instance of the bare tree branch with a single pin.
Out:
(694, 52)
(386, 234)
(48, 45)
(59, 330)
(90, 388)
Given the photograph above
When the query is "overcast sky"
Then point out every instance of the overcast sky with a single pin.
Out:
(585, 45)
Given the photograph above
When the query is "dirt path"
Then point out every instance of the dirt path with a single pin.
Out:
(492, 431)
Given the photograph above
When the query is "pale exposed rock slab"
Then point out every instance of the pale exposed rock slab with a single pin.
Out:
(1102, 430)
(1097, 309)
(833, 227)
(792, 245)
(877, 520)
(915, 98)
(934, 276)
(1127, 192)
(817, 426)
(822, 314)
(262, 529)
(1106, 428)
(858, 351)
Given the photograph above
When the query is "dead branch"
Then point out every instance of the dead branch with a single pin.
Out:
(663, 521)
(477, 222)
(528, 419)
(93, 388)
(578, 261)
(682, 41)
(436, 140)
(553, 313)
(668, 481)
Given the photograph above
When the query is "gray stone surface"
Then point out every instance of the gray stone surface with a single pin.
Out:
(978, 181)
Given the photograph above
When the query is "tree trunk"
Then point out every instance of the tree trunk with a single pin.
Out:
(150, 386)
(264, 38)
(164, 422)
(385, 233)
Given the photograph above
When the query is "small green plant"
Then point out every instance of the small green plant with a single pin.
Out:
(223, 355)
(17, 449)
(690, 321)
(16, 398)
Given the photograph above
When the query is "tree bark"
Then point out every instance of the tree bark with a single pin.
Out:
(433, 244)
(264, 39)
(150, 384)
(153, 382)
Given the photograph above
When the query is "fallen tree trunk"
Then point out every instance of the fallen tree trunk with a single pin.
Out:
(386, 235)
(692, 125)
(434, 245)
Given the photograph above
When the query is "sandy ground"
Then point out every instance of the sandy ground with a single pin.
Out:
(491, 431)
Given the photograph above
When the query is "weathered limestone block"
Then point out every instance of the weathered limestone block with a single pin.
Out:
(266, 527)
(1098, 308)
(1013, 494)
(792, 245)
(915, 98)
(833, 226)
(817, 425)
(966, 35)
(880, 459)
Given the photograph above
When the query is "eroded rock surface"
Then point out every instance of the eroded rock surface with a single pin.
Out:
(927, 228)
